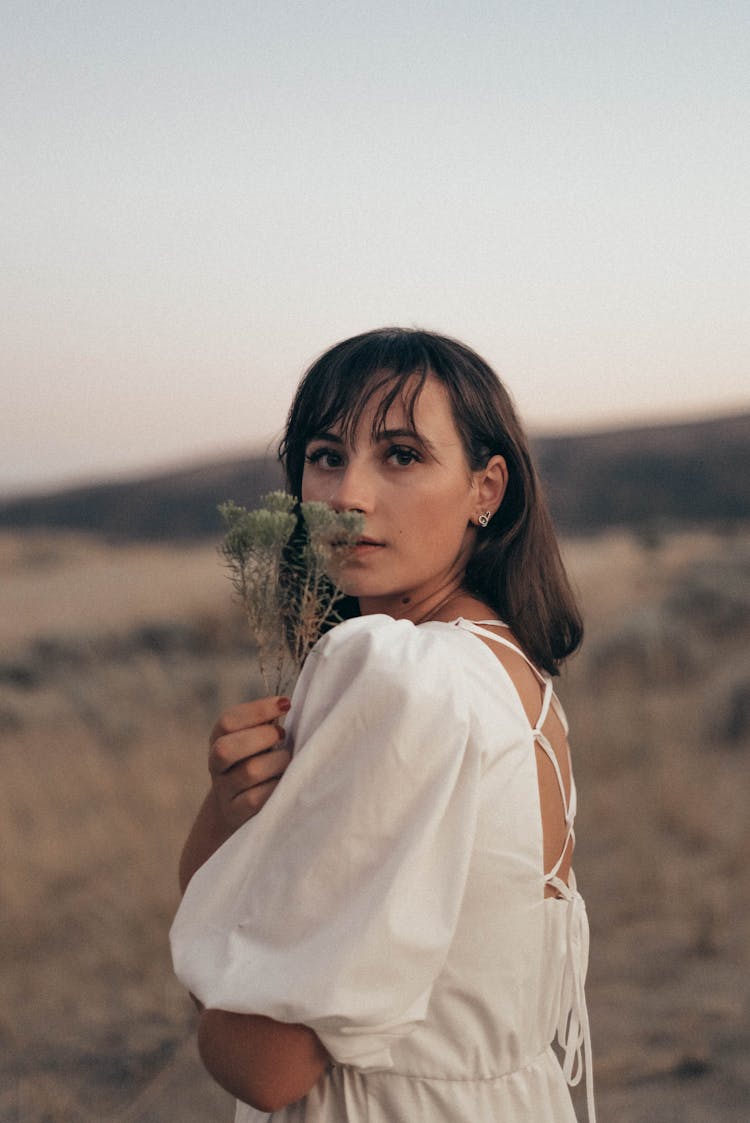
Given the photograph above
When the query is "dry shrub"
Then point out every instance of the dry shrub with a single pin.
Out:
(103, 734)
(662, 750)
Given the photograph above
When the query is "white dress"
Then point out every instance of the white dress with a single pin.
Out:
(391, 893)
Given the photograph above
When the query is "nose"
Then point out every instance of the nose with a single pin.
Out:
(353, 489)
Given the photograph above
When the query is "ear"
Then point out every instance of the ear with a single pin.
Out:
(490, 483)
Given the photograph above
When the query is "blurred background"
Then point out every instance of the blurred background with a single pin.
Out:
(199, 199)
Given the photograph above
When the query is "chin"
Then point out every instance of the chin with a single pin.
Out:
(356, 589)
(352, 587)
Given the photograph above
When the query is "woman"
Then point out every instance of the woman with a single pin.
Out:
(397, 937)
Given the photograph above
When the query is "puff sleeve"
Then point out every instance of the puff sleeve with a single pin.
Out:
(335, 906)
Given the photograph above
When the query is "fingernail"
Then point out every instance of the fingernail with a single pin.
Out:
(284, 705)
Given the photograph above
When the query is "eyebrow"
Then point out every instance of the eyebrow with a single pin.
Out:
(385, 435)
(410, 434)
(332, 437)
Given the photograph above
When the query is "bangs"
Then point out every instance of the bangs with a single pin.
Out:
(388, 368)
(349, 401)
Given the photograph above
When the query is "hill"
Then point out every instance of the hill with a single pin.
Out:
(178, 504)
(649, 478)
(664, 476)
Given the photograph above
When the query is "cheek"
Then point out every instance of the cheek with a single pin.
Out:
(440, 517)
(454, 500)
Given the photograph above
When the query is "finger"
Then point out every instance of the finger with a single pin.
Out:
(257, 770)
(261, 711)
(246, 804)
(228, 750)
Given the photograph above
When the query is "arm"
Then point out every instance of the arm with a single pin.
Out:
(246, 762)
(265, 1063)
(207, 834)
(311, 937)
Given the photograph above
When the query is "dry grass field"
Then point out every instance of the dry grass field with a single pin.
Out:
(115, 660)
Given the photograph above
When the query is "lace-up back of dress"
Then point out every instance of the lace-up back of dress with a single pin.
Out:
(557, 794)
(557, 797)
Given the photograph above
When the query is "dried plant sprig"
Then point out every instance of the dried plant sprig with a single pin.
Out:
(253, 547)
(287, 582)
(316, 568)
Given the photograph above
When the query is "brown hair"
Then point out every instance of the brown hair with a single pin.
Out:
(516, 567)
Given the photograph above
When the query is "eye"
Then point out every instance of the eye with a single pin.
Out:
(403, 455)
(325, 457)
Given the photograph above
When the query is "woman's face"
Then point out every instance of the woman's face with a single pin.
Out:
(418, 496)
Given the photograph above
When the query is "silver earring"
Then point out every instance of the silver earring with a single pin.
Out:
(484, 519)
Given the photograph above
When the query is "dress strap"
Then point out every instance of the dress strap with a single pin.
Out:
(568, 802)
(477, 627)
(548, 701)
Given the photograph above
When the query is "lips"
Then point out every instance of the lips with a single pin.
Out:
(361, 545)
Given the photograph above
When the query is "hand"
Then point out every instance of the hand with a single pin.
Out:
(247, 759)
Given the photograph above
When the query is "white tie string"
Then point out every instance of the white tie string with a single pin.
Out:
(573, 1031)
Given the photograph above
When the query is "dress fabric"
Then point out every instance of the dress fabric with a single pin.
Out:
(391, 893)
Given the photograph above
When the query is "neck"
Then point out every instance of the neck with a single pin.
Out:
(436, 600)
(433, 605)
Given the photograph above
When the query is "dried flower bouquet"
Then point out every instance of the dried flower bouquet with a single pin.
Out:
(284, 569)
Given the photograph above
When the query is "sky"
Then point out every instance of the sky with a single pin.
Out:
(199, 198)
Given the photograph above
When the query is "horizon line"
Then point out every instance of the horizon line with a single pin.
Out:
(265, 449)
